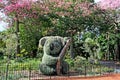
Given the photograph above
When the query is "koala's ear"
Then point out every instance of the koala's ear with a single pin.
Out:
(42, 41)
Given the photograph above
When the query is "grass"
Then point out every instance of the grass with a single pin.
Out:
(17, 69)
(32, 64)
(93, 69)
(12, 76)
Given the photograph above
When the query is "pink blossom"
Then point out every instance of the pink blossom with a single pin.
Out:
(109, 4)
(28, 8)
(18, 7)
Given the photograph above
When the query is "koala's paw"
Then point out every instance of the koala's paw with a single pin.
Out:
(47, 70)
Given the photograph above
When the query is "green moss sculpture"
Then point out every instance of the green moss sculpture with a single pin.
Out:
(52, 46)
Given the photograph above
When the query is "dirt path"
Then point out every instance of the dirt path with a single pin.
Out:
(106, 77)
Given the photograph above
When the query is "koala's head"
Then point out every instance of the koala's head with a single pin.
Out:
(52, 45)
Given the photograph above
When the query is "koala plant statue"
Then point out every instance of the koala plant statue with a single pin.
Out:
(54, 48)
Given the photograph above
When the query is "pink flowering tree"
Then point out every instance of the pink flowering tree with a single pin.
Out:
(112, 6)
(68, 16)
(17, 10)
(109, 4)
(22, 9)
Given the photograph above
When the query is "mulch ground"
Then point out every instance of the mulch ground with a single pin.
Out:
(105, 77)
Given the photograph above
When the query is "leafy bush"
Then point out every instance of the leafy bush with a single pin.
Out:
(79, 63)
(70, 63)
(92, 47)
(11, 45)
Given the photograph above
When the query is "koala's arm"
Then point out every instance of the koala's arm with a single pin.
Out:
(49, 60)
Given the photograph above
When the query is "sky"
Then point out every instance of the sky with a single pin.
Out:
(4, 24)
(96, 1)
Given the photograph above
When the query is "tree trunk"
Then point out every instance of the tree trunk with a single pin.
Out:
(71, 48)
(118, 50)
(61, 56)
(118, 45)
(17, 35)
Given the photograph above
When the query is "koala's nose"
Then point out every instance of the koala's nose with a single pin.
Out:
(51, 46)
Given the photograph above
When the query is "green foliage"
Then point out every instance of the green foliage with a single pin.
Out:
(80, 61)
(11, 45)
(70, 62)
(39, 53)
(12, 76)
(92, 47)
(84, 66)
(8, 39)
(28, 41)
(86, 45)
(17, 65)
(108, 44)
